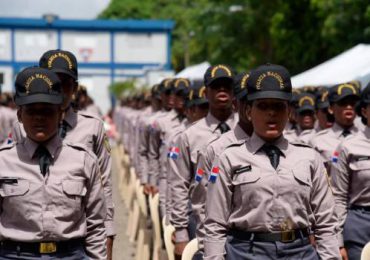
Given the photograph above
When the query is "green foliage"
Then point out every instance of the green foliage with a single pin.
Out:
(122, 88)
(297, 34)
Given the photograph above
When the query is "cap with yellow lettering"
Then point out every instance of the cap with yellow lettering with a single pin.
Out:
(269, 81)
(60, 61)
(341, 91)
(322, 101)
(181, 87)
(217, 72)
(37, 85)
(306, 102)
(197, 95)
(166, 86)
(240, 85)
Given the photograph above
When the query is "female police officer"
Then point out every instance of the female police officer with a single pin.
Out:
(51, 198)
(263, 191)
(351, 178)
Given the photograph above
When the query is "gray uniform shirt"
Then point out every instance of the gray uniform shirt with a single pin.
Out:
(248, 194)
(67, 203)
(350, 174)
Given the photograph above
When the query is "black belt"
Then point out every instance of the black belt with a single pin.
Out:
(285, 236)
(360, 208)
(42, 247)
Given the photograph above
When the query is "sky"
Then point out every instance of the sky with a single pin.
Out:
(67, 9)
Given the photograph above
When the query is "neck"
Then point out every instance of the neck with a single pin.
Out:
(344, 126)
(221, 115)
(246, 126)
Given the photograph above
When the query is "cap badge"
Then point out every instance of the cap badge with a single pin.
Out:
(243, 84)
(202, 91)
(220, 67)
(349, 86)
(270, 74)
(60, 55)
(37, 76)
(309, 99)
(324, 96)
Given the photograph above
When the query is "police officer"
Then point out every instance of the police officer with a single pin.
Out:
(305, 115)
(262, 191)
(52, 202)
(350, 174)
(324, 118)
(219, 92)
(342, 99)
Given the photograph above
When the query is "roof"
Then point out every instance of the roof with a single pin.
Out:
(353, 64)
(94, 25)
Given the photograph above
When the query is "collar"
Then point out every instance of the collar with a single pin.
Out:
(52, 146)
(70, 117)
(240, 133)
(338, 130)
(213, 122)
(255, 144)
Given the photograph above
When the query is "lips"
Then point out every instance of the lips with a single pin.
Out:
(222, 97)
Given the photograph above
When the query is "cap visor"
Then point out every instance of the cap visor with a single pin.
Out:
(270, 94)
(241, 94)
(67, 72)
(39, 98)
(344, 96)
(305, 108)
(220, 77)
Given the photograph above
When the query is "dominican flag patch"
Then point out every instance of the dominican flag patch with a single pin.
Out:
(214, 173)
(199, 175)
(9, 140)
(173, 153)
(334, 158)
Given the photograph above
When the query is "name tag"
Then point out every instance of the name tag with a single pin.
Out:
(7, 180)
(243, 169)
(363, 158)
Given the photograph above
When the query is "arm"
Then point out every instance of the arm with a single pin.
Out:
(322, 205)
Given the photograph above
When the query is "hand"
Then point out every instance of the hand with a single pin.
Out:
(109, 248)
(154, 190)
(179, 248)
(343, 253)
(147, 189)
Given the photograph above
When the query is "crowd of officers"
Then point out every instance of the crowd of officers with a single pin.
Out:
(55, 178)
(253, 168)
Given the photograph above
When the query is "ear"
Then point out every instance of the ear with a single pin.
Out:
(330, 110)
(19, 114)
(249, 112)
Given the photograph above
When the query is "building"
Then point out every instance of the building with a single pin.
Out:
(107, 50)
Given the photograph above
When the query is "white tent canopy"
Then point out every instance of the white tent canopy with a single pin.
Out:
(353, 64)
(195, 72)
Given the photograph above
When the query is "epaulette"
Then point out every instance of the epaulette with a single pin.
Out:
(80, 147)
(7, 146)
(88, 115)
(235, 144)
(300, 144)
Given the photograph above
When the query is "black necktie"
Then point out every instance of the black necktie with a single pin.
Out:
(273, 153)
(63, 129)
(223, 127)
(346, 132)
(44, 159)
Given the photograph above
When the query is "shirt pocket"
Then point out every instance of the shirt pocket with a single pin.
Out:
(75, 191)
(360, 173)
(15, 199)
(247, 188)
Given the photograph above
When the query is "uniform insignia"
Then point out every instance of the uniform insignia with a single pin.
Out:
(9, 140)
(214, 173)
(334, 158)
(106, 143)
(199, 175)
(173, 153)
(243, 169)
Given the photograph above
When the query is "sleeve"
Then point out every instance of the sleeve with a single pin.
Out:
(217, 211)
(180, 185)
(143, 153)
(322, 205)
(153, 155)
(95, 213)
(340, 174)
(162, 181)
(102, 151)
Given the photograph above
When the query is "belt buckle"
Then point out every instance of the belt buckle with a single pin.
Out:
(48, 248)
(287, 236)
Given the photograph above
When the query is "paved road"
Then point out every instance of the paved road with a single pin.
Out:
(122, 248)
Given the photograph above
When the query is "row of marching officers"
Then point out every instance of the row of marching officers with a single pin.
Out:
(241, 163)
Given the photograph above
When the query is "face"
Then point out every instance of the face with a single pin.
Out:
(365, 111)
(268, 117)
(168, 100)
(306, 119)
(179, 104)
(220, 94)
(322, 118)
(344, 111)
(69, 87)
(40, 120)
(197, 112)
